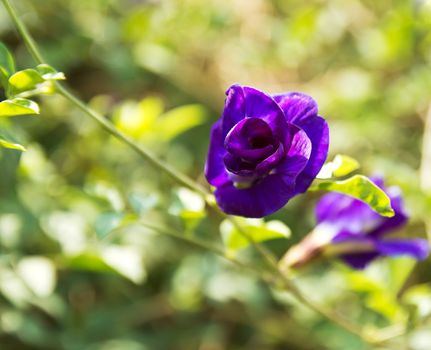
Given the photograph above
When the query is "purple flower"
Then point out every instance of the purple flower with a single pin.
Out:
(264, 150)
(358, 233)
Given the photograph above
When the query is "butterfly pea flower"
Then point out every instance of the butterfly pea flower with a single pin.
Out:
(264, 150)
(349, 229)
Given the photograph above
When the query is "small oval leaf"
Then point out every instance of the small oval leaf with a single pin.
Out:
(342, 165)
(25, 80)
(7, 65)
(180, 119)
(18, 106)
(6, 60)
(11, 145)
(362, 188)
(256, 229)
(49, 73)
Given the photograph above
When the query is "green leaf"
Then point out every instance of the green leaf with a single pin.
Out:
(400, 270)
(378, 296)
(419, 296)
(385, 305)
(11, 145)
(88, 261)
(138, 118)
(258, 230)
(18, 106)
(25, 80)
(141, 202)
(180, 119)
(49, 73)
(7, 65)
(362, 188)
(34, 81)
(106, 222)
(341, 166)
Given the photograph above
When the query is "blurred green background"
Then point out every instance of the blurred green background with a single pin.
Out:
(75, 275)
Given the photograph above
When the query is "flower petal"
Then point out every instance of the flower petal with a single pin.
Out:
(317, 131)
(261, 105)
(297, 107)
(345, 213)
(249, 171)
(360, 260)
(271, 162)
(415, 248)
(234, 108)
(396, 221)
(250, 139)
(345, 236)
(298, 155)
(215, 171)
(237, 166)
(357, 260)
(261, 199)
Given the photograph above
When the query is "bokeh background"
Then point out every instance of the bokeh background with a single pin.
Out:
(75, 275)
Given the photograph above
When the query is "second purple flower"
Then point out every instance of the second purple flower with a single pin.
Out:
(350, 229)
(264, 150)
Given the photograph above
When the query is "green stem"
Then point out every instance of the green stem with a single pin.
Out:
(271, 280)
(329, 315)
(425, 167)
(185, 181)
(144, 153)
(268, 256)
(202, 244)
(384, 335)
(100, 119)
(22, 29)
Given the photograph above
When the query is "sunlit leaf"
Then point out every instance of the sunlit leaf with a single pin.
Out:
(7, 65)
(146, 119)
(138, 119)
(362, 188)
(151, 108)
(400, 270)
(360, 282)
(18, 106)
(34, 81)
(13, 288)
(38, 273)
(257, 230)
(87, 261)
(377, 296)
(385, 305)
(127, 261)
(180, 119)
(419, 296)
(189, 206)
(24, 80)
(11, 145)
(342, 165)
(49, 73)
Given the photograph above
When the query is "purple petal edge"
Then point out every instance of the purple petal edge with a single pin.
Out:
(297, 107)
(317, 131)
(215, 171)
